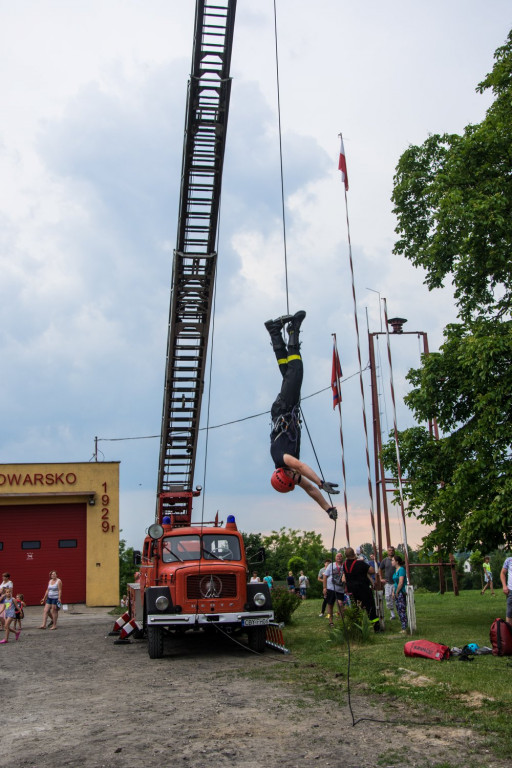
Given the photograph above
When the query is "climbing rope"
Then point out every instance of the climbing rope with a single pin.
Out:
(281, 162)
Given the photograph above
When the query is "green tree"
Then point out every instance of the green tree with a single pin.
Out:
(281, 546)
(297, 564)
(253, 544)
(453, 200)
(126, 566)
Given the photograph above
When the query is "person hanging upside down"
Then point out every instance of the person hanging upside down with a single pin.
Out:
(285, 412)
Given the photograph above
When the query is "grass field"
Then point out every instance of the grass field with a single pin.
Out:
(474, 693)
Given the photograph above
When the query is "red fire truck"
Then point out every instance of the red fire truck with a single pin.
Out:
(193, 576)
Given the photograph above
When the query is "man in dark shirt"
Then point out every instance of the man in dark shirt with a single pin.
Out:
(356, 574)
(285, 435)
(387, 570)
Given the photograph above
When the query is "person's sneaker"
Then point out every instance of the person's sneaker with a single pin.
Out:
(321, 615)
(333, 513)
(392, 617)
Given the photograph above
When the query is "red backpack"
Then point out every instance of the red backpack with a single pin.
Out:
(501, 638)
(427, 649)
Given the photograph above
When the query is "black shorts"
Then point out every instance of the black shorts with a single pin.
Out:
(332, 596)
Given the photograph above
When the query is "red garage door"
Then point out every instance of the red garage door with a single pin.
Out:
(35, 540)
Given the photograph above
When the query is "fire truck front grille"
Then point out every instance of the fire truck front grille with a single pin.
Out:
(209, 585)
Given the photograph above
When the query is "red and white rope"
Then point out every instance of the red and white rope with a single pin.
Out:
(370, 489)
(338, 388)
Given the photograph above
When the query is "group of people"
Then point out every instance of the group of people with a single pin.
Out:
(506, 582)
(267, 579)
(300, 586)
(11, 609)
(12, 606)
(351, 578)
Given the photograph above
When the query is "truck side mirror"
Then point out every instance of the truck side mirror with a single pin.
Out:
(137, 557)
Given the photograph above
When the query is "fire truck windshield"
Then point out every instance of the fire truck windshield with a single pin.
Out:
(180, 548)
(214, 547)
(221, 547)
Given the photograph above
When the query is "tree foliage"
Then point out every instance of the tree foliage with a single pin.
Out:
(126, 566)
(453, 200)
(283, 545)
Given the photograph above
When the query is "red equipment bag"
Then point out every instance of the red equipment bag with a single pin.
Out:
(501, 638)
(427, 650)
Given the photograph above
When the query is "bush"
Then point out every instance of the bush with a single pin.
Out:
(355, 626)
(284, 603)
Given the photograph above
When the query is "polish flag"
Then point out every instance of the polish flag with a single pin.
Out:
(335, 378)
(342, 166)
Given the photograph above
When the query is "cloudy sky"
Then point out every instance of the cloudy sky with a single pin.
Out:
(91, 134)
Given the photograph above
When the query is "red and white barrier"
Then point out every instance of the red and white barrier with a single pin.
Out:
(129, 627)
(121, 622)
(274, 637)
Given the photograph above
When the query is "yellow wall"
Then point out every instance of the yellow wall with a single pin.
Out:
(65, 483)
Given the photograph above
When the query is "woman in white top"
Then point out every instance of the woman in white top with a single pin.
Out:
(52, 600)
(6, 583)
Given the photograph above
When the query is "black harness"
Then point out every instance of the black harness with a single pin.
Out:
(289, 422)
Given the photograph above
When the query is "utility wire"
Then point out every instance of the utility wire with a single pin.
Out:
(224, 424)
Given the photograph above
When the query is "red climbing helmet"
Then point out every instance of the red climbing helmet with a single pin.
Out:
(281, 481)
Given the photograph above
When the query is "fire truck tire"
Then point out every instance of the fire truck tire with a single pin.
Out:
(257, 637)
(155, 642)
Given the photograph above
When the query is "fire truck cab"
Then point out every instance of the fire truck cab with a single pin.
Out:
(195, 577)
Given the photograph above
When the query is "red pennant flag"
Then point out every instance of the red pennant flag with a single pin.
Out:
(335, 378)
(342, 166)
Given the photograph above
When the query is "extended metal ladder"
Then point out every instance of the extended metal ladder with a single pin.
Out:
(195, 257)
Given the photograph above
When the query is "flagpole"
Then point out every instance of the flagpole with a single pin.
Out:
(343, 168)
(338, 389)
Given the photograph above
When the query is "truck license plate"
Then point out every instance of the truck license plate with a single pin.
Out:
(254, 622)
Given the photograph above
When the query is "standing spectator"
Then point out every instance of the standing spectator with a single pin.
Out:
(321, 580)
(290, 580)
(387, 569)
(6, 583)
(20, 606)
(254, 578)
(334, 588)
(303, 585)
(8, 611)
(357, 573)
(487, 576)
(268, 578)
(52, 600)
(124, 601)
(506, 581)
(400, 582)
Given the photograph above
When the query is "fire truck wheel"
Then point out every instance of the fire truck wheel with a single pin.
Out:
(257, 637)
(155, 642)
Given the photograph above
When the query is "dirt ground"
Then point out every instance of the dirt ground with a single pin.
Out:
(73, 698)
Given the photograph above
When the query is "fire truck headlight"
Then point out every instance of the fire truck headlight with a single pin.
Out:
(259, 599)
(162, 603)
